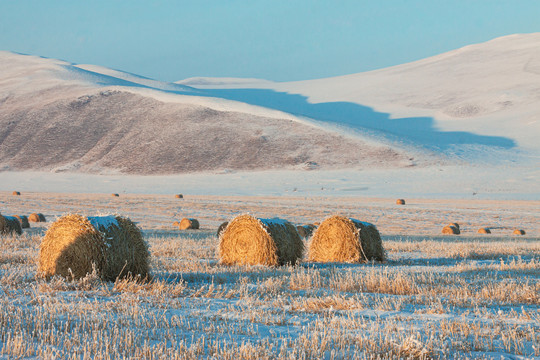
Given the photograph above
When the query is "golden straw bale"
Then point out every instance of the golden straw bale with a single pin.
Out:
(23, 220)
(9, 225)
(400, 201)
(519, 232)
(115, 195)
(450, 230)
(221, 228)
(346, 240)
(305, 231)
(248, 240)
(74, 245)
(16, 193)
(188, 223)
(37, 217)
(484, 231)
(179, 196)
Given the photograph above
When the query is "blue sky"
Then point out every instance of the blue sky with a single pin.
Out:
(272, 39)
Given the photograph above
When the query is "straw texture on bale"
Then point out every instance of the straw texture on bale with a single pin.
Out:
(188, 223)
(9, 225)
(179, 196)
(519, 232)
(73, 247)
(305, 231)
(221, 228)
(340, 239)
(400, 201)
(484, 231)
(37, 217)
(17, 193)
(450, 230)
(23, 220)
(248, 240)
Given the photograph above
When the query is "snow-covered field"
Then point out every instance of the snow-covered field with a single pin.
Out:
(465, 296)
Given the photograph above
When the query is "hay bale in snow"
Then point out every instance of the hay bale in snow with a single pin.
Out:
(349, 240)
(37, 217)
(305, 231)
(400, 201)
(519, 232)
(9, 225)
(23, 220)
(115, 195)
(484, 231)
(450, 230)
(16, 193)
(221, 228)
(456, 225)
(248, 240)
(74, 244)
(179, 196)
(188, 223)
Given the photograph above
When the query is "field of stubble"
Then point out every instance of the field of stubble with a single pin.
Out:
(466, 296)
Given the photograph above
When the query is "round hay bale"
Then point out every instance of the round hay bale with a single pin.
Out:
(400, 201)
(23, 220)
(17, 193)
(115, 195)
(248, 240)
(484, 231)
(74, 244)
(179, 196)
(345, 240)
(450, 230)
(10, 225)
(221, 228)
(188, 223)
(305, 231)
(37, 217)
(519, 232)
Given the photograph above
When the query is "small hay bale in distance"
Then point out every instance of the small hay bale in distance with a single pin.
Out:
(23, 220)
(450, 230)
(176, 223)
(519, 232)
(188, 223)
(305, 231)
(221, 228)
(400, 201)
(17, 193)
(10, 225)
(454, 224)
(115, 195)
(179, 196)
(37, 217)
(484, 230)
(248, 240)
(74, 245)
(341, 239)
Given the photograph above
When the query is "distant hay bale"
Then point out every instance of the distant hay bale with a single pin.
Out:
(23, 220)
(179, 196)
(450, 230)
(37, 217)
(188, 223)
(519, 232)
(248, 240)
(456, 225)
(305, 231)
(75, 244)
(115, 195)
(176, 223)
(10, 225)
(345, 240)
(484, 231)
(17, 193)
(221, 228)
(400, 201)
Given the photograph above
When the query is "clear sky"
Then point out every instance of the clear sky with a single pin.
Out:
(278, 40)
